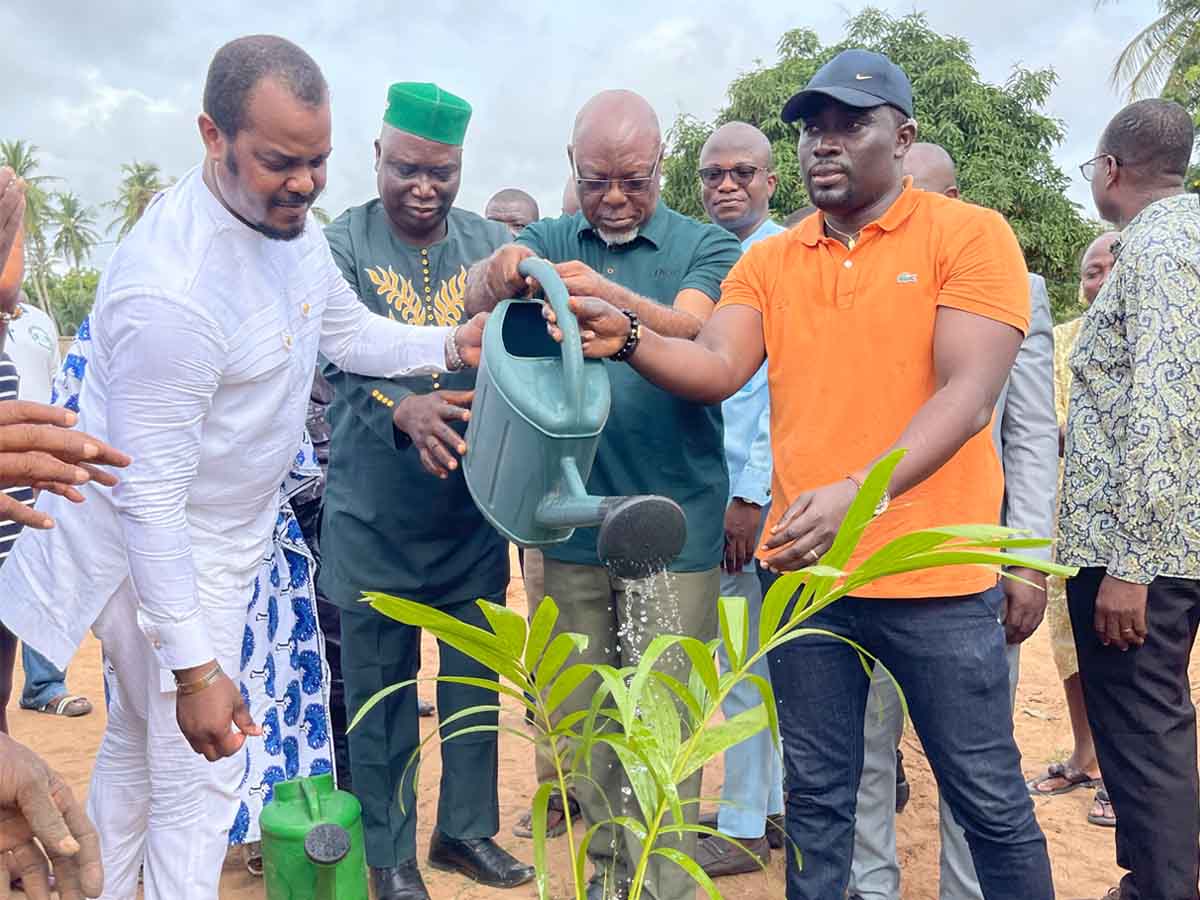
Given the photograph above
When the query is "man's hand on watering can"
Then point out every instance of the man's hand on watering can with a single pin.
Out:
(36, 803)
(206, 716)
(603, 328)
(581, 280)
(469, 339)
(742, 519)
(504, 281)
(808, 527)
(426, 419)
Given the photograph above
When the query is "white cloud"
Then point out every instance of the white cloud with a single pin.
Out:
(97, 85)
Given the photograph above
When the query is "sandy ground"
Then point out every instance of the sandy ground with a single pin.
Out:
(1082, 854)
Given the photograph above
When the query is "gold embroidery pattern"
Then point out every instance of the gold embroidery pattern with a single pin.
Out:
(398, 293)
(445, 307)
(448, 301)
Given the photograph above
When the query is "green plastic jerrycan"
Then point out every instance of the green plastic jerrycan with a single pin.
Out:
(535, 425)
(312, 842)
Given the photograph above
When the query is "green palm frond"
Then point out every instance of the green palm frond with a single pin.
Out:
(1146, 61)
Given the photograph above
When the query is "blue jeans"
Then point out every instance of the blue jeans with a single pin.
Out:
(43, 682)
(948, 655)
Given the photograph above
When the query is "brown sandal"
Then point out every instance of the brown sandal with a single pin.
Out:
(556, 820)
(69, 706)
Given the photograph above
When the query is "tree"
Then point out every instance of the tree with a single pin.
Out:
(140, 183)
(76, 234)
(1154, 54)
(321, 215)
(71, 297)
(22, 158)
(997, 134)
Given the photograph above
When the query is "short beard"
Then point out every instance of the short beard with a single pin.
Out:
(617, 238)
(274, 234)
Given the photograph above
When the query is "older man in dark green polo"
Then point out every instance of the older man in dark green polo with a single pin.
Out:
(398, 517)
(664, 269)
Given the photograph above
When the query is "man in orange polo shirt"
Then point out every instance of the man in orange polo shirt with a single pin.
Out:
(890, 320)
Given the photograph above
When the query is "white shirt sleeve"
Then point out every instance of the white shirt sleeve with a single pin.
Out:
(166, 362)
(357, 340)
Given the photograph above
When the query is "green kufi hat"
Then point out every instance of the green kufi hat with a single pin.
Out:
(427, 111)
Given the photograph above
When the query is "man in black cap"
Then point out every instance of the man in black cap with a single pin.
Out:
(889, 320)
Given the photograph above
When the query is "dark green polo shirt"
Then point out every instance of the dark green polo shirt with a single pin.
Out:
(388, 524)
(654, 442)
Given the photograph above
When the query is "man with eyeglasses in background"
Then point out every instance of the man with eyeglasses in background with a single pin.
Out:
(737, 181)
(665, 270)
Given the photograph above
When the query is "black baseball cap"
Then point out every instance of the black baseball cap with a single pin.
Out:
(857, 78)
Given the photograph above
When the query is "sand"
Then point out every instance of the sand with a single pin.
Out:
(1082, 854)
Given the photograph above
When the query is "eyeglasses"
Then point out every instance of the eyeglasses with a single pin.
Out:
(638, 184)
(742, 174)
(1088, 169)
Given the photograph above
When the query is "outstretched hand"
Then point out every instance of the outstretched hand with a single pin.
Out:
(39, 449)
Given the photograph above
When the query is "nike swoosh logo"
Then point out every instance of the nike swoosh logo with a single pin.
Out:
(863, 77)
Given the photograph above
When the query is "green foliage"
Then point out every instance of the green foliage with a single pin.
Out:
(661, 729)
(1155, 52)
(997, 134)
(140, 182)
(70, 297)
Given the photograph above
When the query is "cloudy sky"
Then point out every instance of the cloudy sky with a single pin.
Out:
(94, 85)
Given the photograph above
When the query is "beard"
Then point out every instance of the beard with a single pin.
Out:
(617, 238)
(270, 231)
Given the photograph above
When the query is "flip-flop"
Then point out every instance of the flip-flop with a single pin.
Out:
(1104, 821)
(1074, 778)
(524, 826)
(69, 706)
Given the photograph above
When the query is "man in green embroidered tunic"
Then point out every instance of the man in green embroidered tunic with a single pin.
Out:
(398, 517)
(629, 247)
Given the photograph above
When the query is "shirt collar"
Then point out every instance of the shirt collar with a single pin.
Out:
(653, 229)
(812, 230)
(1161, 208)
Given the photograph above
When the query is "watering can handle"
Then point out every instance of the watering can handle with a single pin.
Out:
(572, 349)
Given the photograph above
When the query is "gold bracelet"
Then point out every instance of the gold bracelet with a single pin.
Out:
(185, 688)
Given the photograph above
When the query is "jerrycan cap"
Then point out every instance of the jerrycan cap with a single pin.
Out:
(327, 844)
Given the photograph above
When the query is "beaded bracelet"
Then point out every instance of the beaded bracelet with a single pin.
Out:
(631, 342)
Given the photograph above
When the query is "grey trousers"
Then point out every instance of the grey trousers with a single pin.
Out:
(875, 871)
(619, 626)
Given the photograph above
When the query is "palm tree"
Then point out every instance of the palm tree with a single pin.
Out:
(140, 183)
(76, 235)
(1153, 54)
(22, 158)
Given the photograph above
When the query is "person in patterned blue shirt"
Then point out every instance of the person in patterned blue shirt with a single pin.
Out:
(1129, 513)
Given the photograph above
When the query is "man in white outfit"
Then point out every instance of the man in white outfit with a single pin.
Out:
(206, 330)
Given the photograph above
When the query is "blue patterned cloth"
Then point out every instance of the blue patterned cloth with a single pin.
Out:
(283, 677)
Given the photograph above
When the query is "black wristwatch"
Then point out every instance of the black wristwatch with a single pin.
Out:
(631, 342)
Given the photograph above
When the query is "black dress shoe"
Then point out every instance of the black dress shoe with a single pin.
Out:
(480, 859)
(402, 882)
(601, 888)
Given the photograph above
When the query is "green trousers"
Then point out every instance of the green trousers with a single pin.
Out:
(619, 627)
(378, 652)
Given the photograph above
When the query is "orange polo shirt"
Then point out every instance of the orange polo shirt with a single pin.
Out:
(849, 339)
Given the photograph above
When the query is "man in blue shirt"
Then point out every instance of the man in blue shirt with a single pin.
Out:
(737, 181)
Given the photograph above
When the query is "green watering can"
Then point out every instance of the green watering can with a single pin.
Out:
(535, 424)
(312, 842)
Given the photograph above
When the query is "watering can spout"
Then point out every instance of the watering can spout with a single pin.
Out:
(638, 535)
